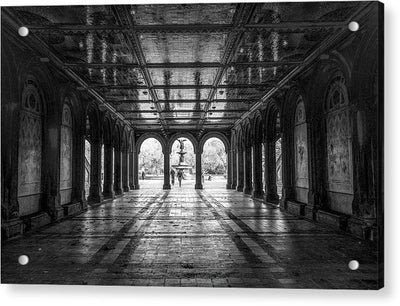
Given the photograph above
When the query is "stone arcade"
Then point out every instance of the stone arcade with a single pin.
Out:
(292, 93)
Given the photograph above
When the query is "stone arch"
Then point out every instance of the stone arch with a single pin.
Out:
(125, 138)
(183, 135)
(107, 130)
(34, 70)
(93, 127)
(239, 138)
(258, 127)
(132, 146)
(145, 136)
(247, 133)
(338, 143)
(218, 135)
(272, 127)
(31, 148)
(67, 151)
(117, 136)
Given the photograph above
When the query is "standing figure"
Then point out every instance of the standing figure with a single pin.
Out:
(143, 175)
(172, 176)
(180, 176)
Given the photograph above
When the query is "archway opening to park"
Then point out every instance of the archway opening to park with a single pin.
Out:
(182, 164)
(278, 159)
(214, 164)
(151, 164)
(87, 167)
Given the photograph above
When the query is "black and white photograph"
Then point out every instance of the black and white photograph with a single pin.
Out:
(193, 145)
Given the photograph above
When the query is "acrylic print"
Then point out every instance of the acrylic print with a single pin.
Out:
(202, 145)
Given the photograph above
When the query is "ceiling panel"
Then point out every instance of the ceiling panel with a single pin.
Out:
(303, 11)
(183, 47)
(176, 53)
(183, 76)
(182, 94)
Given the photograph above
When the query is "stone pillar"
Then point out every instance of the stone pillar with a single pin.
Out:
(125, 170)
(198, 184)
(131, 171)
(257, 171)
(234, 169)
(229, 170)
(248, 186)
(95, 195)
(136, 169)
(108, 188)
(167, 184)
(117, 172)
(78, 164)
(271, 194)
(239, 159)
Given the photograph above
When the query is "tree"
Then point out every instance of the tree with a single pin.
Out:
(151, 158)
(214, 157)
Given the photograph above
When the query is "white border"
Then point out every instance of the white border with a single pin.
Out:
(33, 295)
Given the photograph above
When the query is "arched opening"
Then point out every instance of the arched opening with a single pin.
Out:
(263, 148)
(102, 168)
(183, 163)
(273, 158)
(87, 163)
(278, 160)
(151, 164)
(30, 150)
(66, 150)
(214, 164)
(301, 152)
(339, 160)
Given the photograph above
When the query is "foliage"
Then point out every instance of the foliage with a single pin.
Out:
(151, 158)
(214, 160)
(214, 157)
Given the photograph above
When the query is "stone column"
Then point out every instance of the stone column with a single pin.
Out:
(108, 188)
(198, 184)
(95, 195)
(234, 169)
(167, 184)
(248, 186)
(78, 164)
(136, 169)
(131, 171)
(229, 170)
(271, 194)
(125, 170)
(257, 171)
(117, 172)
(239, 159)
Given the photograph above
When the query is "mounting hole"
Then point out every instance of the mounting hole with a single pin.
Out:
(23, 31)
(23, 260)
(354, 26)
(354, 265)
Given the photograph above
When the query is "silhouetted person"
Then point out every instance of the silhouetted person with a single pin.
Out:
(143, 175)
(180, 176)
(172, 176)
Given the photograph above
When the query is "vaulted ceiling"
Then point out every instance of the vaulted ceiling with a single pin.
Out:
(185, 66)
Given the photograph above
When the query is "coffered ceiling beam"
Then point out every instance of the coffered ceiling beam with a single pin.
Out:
(42, 48)
(325, 45)
(187, 28)
(134, 45)
(182, 111)
(221, 86)
(182, 65)
(242, 17)
(184, 101)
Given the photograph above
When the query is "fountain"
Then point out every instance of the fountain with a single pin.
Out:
(182, 165)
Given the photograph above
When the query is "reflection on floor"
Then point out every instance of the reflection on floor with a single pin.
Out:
(184, 237)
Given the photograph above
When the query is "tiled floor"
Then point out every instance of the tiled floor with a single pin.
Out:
(183, 237)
